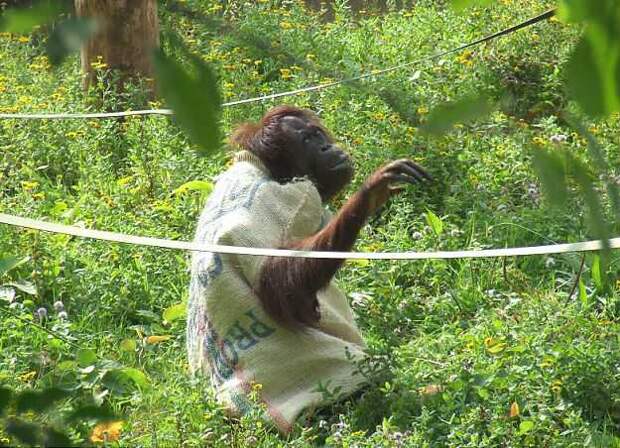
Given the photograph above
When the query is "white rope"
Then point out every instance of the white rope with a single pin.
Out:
(66, 116)
(19, 221)
(321, 86)
(127, 113)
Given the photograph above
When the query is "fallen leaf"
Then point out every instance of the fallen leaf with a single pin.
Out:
(430, 390)
(514, 410)
(157, 339)
(106, 432)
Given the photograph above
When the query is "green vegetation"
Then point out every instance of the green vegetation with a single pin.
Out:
(514, 352)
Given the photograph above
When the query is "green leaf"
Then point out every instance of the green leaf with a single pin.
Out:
(467, 109)
(194, 97)
(24, 286)
(483, 393)
(11, 262)
(125, 379)
(175, 312)
(496, 348)
(583, 294)
(596, 272)
(137, 376)
(68, 37)
(86, 357)
(596, 217)
(23, 20)
(551, 169)
(588, 11)
(5, 398)
(39, 401)
(597, 154)
(525, 426)
(459, 5)
(149, 315)
(128, 345)
(586, 80)
(28, 433)
(434, 222)
(66, 365)
(194, 185)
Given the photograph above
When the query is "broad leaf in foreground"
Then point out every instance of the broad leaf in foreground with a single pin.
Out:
(193, 95)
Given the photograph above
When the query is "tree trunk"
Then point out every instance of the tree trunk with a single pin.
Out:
(128, 32)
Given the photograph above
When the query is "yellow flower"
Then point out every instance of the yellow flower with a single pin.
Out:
(108, 200)
(286, 25)
(23, 39)
(28, 376)
(30, 185)
(24, 100)
(285, 73)
(422, 110)
(98, 65)
(106, 432)
(124, 181)
(71, 135)
(465, 58)
(378, 116)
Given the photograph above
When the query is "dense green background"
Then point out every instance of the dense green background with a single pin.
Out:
(491, 332)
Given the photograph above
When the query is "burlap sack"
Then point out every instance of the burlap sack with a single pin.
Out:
(229, 337)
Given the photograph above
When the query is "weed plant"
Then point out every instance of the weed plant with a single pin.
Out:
(466, 353)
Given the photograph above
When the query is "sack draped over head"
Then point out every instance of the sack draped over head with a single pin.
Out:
(229, 337)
